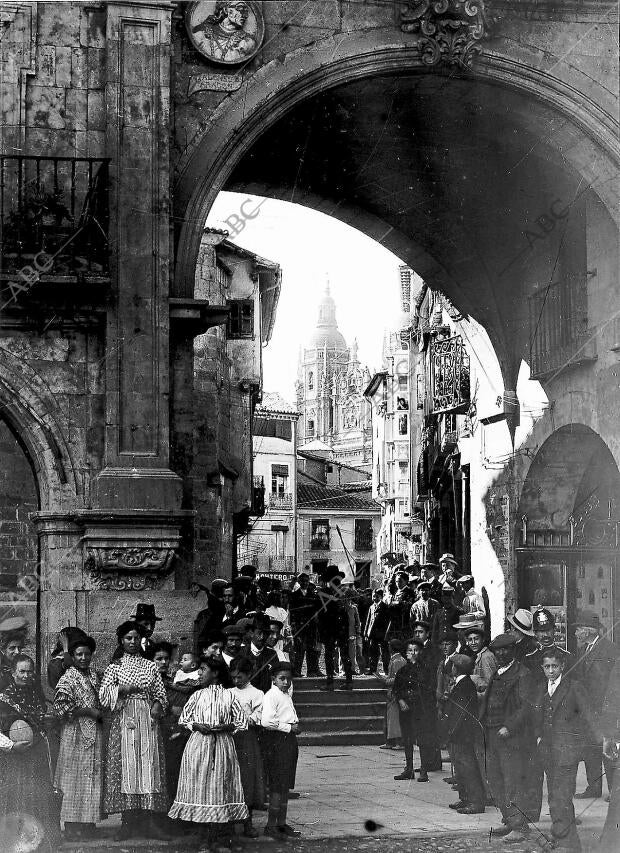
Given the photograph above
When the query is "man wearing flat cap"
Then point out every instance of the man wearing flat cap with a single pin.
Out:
(507, 716)
(445, 616)
(597, 657)
(424, 607)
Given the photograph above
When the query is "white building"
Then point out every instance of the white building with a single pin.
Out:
(270, 544)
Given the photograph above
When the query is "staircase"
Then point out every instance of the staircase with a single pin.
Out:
(341, 717)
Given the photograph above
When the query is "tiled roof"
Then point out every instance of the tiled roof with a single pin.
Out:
(273, 402)
(331, 498)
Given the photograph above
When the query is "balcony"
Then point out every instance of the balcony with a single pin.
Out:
(54, 216)
(450, 382)
(319, 543)
(282, 501)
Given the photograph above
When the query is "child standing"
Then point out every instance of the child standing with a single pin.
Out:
(460, 726)
(279, 740)
(246, 742)
(209, 792)
(563, 728)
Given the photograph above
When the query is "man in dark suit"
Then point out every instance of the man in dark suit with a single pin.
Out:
(259, 654)
(334, 628)
(543, 625)
(563, 727)
(460, 726)
(506, 714)
(596, 662)
(609, 726)
(304, 606)
(374, 632)
(445, 616)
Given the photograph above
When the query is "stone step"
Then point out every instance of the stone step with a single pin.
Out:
(339, 697)
(348, 738)
(368, 682)
(309, 710)
(341, 724)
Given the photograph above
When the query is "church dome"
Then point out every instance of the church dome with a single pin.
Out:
(327, 333)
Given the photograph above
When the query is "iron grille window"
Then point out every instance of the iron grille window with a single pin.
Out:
(319, 537)
(57, 206)
(559, 326)
(241, 319)
(363, 534)
(450, 382)
(223, 277)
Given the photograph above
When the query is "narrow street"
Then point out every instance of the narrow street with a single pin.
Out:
(350, 802)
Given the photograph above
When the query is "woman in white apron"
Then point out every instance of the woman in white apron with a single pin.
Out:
(135, 775)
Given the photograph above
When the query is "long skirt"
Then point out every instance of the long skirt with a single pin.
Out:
(79, 775)
(209, 789)
(26, 789)
(114, 801)
(251, 767)
(280, 753)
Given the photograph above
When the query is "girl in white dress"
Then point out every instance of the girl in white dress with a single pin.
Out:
(210, 792)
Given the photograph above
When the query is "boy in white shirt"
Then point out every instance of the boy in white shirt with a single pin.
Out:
(279, 747)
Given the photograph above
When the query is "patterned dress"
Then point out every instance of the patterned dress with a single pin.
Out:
(135, 773)
(210, 789)
(79, 769)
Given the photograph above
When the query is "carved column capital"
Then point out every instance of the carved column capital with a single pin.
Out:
(450, 31)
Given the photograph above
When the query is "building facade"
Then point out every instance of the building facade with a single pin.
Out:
(270, 543)
(330, 383)
(118, 132)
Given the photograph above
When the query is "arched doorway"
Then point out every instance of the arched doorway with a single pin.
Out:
(569, 531)
(19, 558)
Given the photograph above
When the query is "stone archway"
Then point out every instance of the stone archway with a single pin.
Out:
(569, 528)
(567, 144)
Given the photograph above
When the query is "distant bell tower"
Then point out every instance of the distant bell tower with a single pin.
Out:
(330, 382)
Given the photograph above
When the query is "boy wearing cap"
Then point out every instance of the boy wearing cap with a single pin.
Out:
(425, 607)
(563, 727)
(507, 718)
(445, 616)
(460, 726)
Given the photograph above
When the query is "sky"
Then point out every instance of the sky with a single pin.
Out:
(312, 248)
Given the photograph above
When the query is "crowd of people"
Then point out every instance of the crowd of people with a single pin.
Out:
(179, 738)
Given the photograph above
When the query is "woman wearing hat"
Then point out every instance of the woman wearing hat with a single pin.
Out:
(25, 764)
(135, 775)
(79, 769)
(13, 634)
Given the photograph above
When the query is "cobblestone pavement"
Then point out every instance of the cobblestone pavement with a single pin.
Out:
(343, 788)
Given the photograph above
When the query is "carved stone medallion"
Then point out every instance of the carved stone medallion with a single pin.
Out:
(450, 30)
(226, 32)
(128, 559)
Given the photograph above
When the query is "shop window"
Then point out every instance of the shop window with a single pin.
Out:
(241, 319)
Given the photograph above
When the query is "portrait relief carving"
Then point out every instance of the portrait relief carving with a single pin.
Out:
(225, 33)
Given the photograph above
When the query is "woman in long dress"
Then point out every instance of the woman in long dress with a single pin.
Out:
(135, 773)
(210, 791)
(79, 770)
(25, 769)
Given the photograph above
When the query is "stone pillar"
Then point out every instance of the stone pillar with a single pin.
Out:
(137, 475)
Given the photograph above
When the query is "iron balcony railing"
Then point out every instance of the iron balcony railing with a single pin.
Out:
(281, 501)
(57, 206)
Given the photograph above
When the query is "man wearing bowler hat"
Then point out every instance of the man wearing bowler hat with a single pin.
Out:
(145, 617)
(596, 660)
(507, 716)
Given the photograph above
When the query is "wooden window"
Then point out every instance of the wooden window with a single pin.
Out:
(319, 537)
(363, 534)
(241, 319)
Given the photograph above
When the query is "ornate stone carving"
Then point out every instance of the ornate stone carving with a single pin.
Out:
(125, 582)
(450, 30)
(130, 559)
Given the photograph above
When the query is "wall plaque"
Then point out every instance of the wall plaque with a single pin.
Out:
(226, 33)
